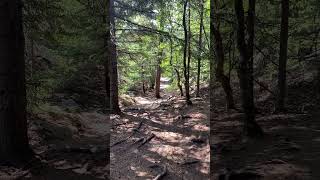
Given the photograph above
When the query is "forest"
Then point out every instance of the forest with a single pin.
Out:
(159, 89)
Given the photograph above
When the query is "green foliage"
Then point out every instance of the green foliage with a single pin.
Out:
(74, 32)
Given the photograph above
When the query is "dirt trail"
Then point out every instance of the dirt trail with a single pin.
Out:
(154, 135)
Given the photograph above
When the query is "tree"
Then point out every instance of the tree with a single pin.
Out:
(160, 51)
(14, 144)
(220, 75)
(200, 47)
(112, 58)
(251, 128)
(280, 105)
(186, 63)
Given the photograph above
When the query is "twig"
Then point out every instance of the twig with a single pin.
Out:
(147, 140)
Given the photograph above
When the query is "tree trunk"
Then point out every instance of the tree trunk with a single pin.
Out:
(14, 144)
(251, 34)
(32, 57)
(175, 68)
(186, 64)
(113, 66)
(158, 72)
(107, 86)
(106, 65)
(158, 79)
(280, 107)
(221, 77)
(179, 82)
(251, 128)
(211, 90)
(200, 48)
(143, 80)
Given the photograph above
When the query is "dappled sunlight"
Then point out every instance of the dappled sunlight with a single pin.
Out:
(172, 137)
(140, 173)
(173, 153)
(142, 100)
(154, 134)
(201, 128)
(198, 115)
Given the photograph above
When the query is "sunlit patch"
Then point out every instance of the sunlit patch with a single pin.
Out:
(173, 153)
(198, 115)
(139, 172)
(148, 158)
(200, 128)
(172, 137)
(142, 101)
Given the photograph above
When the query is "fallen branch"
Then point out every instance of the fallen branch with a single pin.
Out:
(162, 174)
(145, 140)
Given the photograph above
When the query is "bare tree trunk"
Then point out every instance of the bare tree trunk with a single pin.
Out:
(251, 33)
(32, 58)
(282, 77)
(107, 64)
(107, 86)
(14, 144)
(158, 72)
(175, 68)
(158, 79)
(221, 77)
(211, 87)
(200, 47)
(143, 80)
(251, 128)
(186, 64)
(179, 82)
(113, 66)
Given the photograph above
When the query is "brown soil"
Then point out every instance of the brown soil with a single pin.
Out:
(289, 149)
(176, 139)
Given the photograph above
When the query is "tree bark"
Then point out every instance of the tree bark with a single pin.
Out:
(200, 48)
(220, 75)
(251, 34)
(175, 68)
(251, 128)
(282, 78)
(14, 144)
(112, 56)
(186, 64)
(158, 72)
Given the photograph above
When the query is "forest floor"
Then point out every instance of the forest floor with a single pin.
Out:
(289, 149)
(68, 146)
(161, 138)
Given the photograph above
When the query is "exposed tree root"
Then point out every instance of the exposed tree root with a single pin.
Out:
(162, 174)
(190, 162)
(146, 139)
(135, 130)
